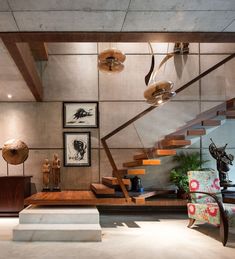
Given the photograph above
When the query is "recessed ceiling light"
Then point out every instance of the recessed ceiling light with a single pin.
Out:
(9, 96)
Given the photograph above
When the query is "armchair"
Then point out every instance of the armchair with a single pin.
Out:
(207, 204)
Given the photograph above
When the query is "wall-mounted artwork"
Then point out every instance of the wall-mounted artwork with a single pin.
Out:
(80, 114)
(77, 149)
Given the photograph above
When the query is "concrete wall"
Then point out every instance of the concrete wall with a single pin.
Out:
(71, 75)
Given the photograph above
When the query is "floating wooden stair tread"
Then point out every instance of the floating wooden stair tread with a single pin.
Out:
(112, 181)
(175, 143)
(221, 113)
(229, 113)
(178, 137)
(142, 162)
(141, 156)
(137, 171)
(165, 152)
(99, 188)
(211, 123)
(157, 152)
(230, 104)
(196, 132)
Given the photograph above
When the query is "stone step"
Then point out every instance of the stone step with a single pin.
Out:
(156, 153)
(57, 232)
(113, 182)
(142, 162)
(99, 188)
(59, 215)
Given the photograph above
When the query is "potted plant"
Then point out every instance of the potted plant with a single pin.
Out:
(178, 175)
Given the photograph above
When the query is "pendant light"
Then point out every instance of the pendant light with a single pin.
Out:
(111, 60)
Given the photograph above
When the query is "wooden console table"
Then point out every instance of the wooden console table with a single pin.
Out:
(230, 198)
(13, 191)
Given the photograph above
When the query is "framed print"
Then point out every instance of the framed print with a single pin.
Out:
(80, 115)
(77, 149)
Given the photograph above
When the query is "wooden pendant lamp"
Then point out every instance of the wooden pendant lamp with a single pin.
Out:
(111, 60)
(159, 92)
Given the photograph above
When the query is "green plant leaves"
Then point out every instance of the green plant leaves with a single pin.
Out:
(186, 162)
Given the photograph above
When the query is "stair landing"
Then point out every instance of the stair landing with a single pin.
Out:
(89, 198)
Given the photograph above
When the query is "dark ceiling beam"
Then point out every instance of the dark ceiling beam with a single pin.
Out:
(219, 37)
(39, 51)
(22, 56)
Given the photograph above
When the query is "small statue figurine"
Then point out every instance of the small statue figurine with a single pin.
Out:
(56, 173)
(223, 160)
(46, 168)
(181, 47)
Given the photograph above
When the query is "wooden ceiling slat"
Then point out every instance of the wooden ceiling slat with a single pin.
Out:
(39, 51)
(219, 37)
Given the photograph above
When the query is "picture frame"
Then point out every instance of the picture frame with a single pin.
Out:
(80, 114)
(77, 149)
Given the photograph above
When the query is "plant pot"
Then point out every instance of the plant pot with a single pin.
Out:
(181, 194)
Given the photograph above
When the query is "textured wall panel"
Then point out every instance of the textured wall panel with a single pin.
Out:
(71, 77)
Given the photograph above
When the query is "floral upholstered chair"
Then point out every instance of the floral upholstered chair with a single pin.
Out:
(206, 202)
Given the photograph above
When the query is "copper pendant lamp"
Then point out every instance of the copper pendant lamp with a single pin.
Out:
(111, 60)
(159, 92)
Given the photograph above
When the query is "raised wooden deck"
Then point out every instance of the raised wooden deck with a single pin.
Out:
(88, 198)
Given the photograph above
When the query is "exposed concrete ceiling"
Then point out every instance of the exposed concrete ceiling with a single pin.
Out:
(118, 15)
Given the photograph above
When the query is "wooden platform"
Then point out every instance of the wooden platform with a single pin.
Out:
(88, 198)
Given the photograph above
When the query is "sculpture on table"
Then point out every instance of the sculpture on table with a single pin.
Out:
(181, 47)
(56, 173)
(15, 152)
(46, 168)
(223, 160)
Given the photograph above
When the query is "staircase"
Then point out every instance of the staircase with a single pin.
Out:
(183, 137)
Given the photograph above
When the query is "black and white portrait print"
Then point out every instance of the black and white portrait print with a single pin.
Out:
(77, 149)
(80, 114)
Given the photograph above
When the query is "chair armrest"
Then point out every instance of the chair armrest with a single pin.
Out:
(219, 203)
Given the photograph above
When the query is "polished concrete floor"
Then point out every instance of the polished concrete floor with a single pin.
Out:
(137, 235)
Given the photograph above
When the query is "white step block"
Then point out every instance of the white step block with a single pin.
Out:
(57, 232)
(59, 215)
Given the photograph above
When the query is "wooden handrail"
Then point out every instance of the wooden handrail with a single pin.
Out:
(141, 114)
